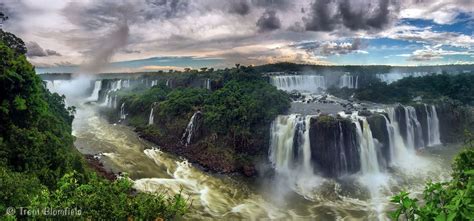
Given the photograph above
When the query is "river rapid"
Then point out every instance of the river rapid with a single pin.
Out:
(218, 197)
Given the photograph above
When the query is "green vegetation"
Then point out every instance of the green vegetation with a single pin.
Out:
(452, 200)
(235, 123)
(432, 87)
(39, 166)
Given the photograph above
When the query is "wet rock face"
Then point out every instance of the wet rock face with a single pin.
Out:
(378, 126)
(334, 150)
(401, 119)
(421, 113)
(453, 120)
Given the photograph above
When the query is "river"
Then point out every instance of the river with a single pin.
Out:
(220, 197)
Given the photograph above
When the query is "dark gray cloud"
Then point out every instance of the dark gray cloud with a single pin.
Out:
(35, 50)
(328, 15)
(158, 9)
(331, 48)
(272, 4)
(269, 21)
(241, 7)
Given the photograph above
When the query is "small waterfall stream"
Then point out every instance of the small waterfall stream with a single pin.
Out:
(191, 129)
(152, 116)
(123, 115)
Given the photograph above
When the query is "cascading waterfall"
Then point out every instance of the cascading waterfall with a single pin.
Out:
(115, 86)
(123, 115)
(208, 84)
(368, 153)
(306, 83)
(433, 126)
(349, 81)
(396, 143)
(114, 101)
(154, 83)
(351, 143)
(95, 93)
(151, 118)
(190, 129)
(290, 145)
(414, 138)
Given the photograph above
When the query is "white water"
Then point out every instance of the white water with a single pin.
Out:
(224, 198)
(433, 126)
(123, 115)
(95, 93)
(398, 150)
(303, 83)
(392, 77)
(190, 130)
(368, 153)
(349, 81)
(151, 118)
(208, 84)
(414, 131)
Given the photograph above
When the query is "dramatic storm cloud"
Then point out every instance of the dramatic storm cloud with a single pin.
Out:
(269, 21)
(93, 33)
(34, 50)
(327, 15)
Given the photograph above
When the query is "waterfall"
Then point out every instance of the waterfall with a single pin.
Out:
(289, 144)
(95, 93)
(397, 146)
(123, 116)
(392, 77)
(433, 126)
(414, 131)
(368, 153)
(154, 83)
(349, 81)
(334, 146)
(305, 83)
(151, 118)
(114, 86)
(114, 101)
(208, 84)
(190, 129)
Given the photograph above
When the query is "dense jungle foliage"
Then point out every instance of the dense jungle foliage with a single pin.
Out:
(39, 166)
(236, 117)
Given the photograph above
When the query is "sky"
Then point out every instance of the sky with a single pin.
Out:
(149, 35)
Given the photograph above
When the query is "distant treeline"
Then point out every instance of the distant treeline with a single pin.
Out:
(428, 88)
